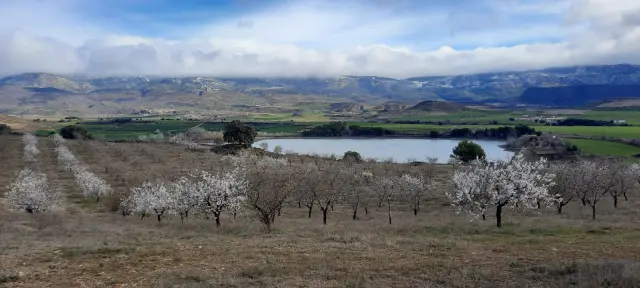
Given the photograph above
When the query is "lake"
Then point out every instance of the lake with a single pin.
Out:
(399, 149)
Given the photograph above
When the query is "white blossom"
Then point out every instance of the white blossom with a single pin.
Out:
(30, 192)
(30, 147)
(513, 183)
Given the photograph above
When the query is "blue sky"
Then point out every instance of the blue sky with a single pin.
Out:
(395, 38)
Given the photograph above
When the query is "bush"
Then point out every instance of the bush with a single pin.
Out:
(5, 129)
(352, 156)
(74, 132)
(467, 151)
(239, 133)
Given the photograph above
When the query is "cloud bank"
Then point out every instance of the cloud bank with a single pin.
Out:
(315, 38)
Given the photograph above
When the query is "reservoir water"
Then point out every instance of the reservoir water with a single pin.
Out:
(400, 150)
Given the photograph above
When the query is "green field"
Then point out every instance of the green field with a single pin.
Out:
(502, 116)
(461, 117)
(604, 148)
(632, 117)
(631, 132)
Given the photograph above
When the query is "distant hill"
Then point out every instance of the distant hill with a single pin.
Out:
(48, 93)
(619, 103)
(579, 95)
(437, 106)
(346, 107)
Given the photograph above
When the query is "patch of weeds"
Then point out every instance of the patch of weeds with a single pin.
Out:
(260, 271)
(72, 252)
(358, 282)
(8, 277)
(542, 232)
(442, 230)
(600, 274)
(183, 281)
(598, 231)
(347, 238)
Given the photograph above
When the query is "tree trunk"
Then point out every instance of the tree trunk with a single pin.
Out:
(366, 210)
(625, 196)
(217, 219)
(499, 215)
(355, 212)
(560, 209)
(310, 208)
(615, 201)
(98, 200)
(159, 217)
(267, 222)
(484, 217)
(279, 211)
(299, 204)
(331, 205)
(415, 211)
(584, 202)
(538, 202)
(389, 212)
(234, 216)
(324, 215)
(181, 218)
(593, 212)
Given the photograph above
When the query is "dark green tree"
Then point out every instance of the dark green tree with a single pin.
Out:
(239, 133)
(352, 156)
(74, 132)
(467, 151)
(5, 129)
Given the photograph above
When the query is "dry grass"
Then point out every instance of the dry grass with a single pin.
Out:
(27, 123)
(95, 248)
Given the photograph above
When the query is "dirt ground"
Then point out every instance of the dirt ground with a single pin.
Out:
(90, 246)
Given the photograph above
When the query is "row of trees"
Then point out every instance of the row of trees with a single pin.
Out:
(263, 186)
(90, 184)
(31, 192)
(592, 180)
(518, 183)
(203, 194)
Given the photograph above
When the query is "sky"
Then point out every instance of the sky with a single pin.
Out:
(313, 38)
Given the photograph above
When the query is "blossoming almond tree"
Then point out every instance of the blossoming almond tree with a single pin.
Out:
(31, 193)
(30, 147)
(502, 183)
(90, 184)
(415, 189)
(151, 197)
(223, 191)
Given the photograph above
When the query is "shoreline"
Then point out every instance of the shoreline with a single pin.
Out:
(261, 138)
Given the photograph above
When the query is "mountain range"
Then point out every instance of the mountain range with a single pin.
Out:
(42, 93)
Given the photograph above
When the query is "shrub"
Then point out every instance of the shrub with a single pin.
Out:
(239, 133)
(467, 151)
(5, 129)
(74, 132)
(352, 156)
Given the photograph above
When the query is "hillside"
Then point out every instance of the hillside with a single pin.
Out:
(437, 106)
(622, 103)
(579, 95)
(346, 107)
(42, 93)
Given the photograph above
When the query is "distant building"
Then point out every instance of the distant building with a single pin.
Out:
(619, 121)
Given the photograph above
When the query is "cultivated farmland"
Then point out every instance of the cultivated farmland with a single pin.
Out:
(90, 243)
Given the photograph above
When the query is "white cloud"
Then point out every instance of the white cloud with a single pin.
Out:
(327, 38)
